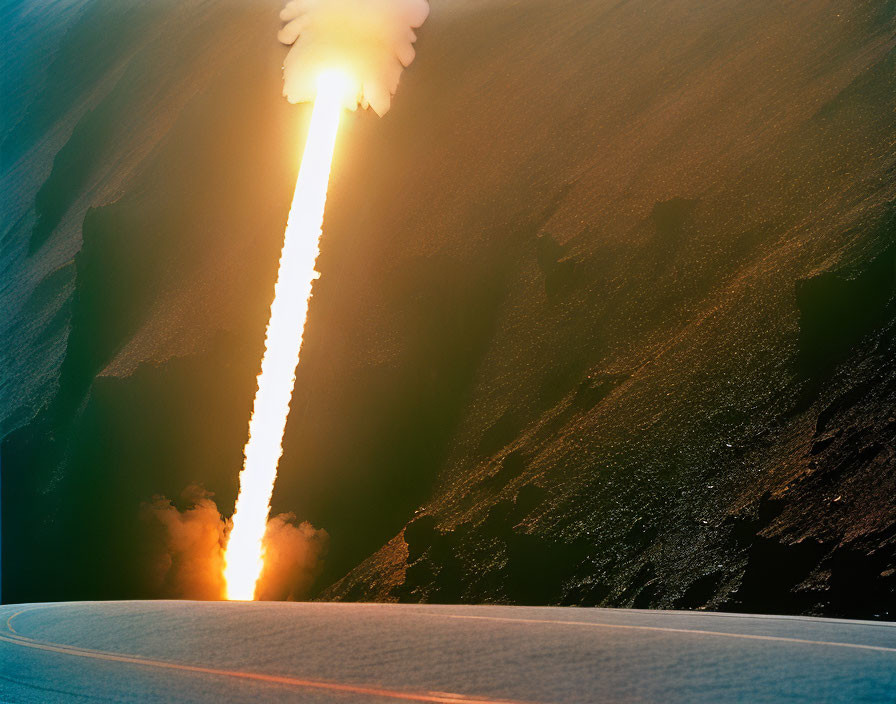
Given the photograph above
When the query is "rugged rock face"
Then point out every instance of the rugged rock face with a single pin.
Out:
(607, 312)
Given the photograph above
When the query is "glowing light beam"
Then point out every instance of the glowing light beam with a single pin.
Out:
(244, 555)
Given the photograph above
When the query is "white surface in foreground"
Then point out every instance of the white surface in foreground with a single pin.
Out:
(246, 652)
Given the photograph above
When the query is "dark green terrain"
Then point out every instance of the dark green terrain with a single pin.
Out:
(607, 313)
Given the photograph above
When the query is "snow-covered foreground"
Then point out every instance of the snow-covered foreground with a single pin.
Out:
(315, 652)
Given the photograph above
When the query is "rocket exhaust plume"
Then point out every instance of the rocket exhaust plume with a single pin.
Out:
(345, 53)
(283, 341)
(371, 40)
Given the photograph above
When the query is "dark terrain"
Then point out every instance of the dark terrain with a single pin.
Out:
(607, 313)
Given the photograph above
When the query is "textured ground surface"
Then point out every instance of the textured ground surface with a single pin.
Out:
(212, 652)
(606, 314)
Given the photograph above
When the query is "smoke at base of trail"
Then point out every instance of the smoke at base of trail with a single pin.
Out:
(370, 40)
(184, 551)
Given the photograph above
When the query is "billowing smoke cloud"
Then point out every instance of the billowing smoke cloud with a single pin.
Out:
(188, 547)
(188, 551)
(293, 559)
(372, 41)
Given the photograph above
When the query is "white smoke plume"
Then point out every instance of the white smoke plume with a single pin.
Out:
(187, 551)
(371, 41)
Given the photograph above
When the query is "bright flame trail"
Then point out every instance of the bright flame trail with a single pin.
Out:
(244, 557)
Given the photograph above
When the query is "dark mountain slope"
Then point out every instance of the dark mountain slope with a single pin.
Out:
(606, 316)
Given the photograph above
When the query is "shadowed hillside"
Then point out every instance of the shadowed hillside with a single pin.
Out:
(607, 312)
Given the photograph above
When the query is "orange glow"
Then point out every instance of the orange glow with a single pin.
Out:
(244, 557)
